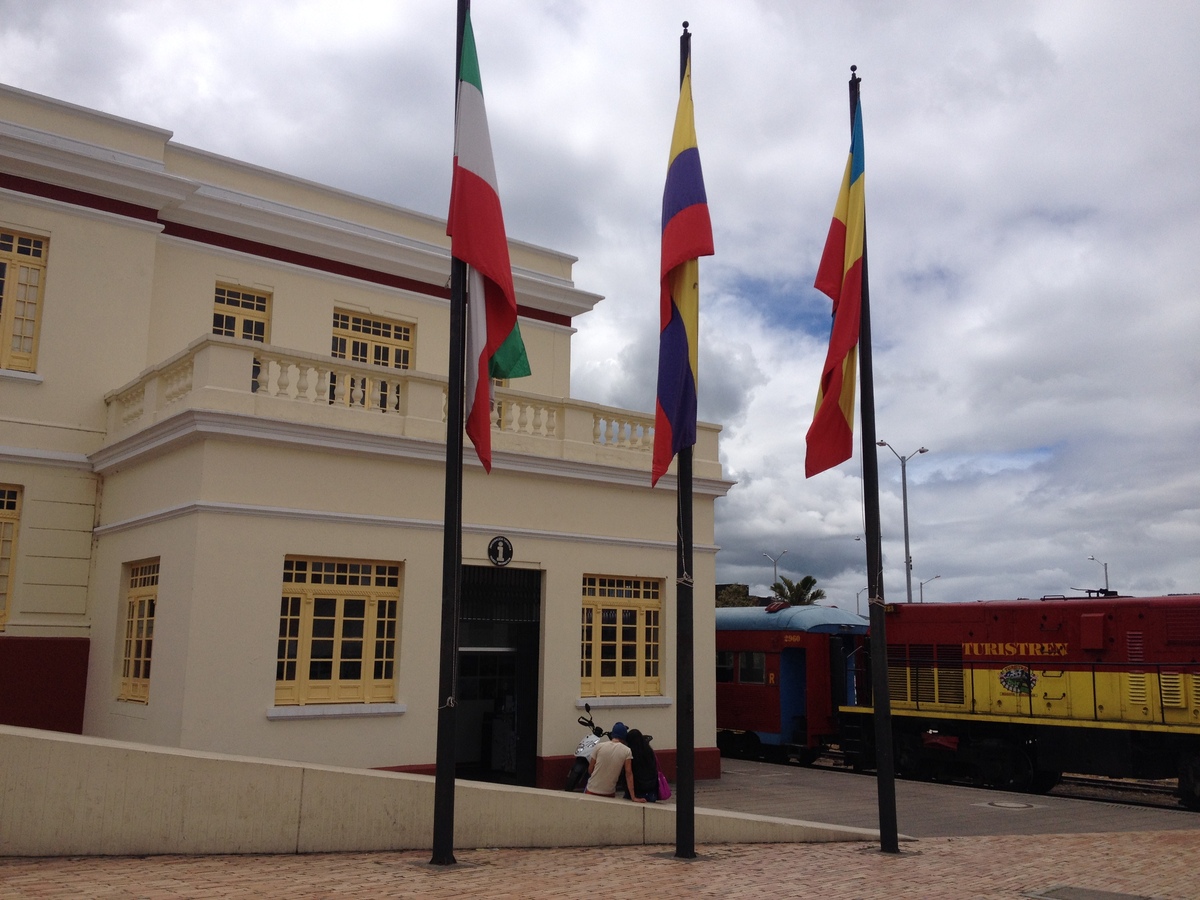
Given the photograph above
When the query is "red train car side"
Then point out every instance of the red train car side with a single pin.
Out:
(782, 672)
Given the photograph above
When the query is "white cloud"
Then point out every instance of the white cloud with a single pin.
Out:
(1033, 204)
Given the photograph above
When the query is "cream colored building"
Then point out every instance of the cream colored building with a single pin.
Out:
(222, 456)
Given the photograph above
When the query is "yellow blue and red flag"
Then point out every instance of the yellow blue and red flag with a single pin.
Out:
(830, 438)
(686, 236)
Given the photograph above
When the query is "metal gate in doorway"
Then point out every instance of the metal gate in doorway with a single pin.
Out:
(499, 639)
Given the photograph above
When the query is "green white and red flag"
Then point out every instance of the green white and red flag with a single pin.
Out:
(476, 229)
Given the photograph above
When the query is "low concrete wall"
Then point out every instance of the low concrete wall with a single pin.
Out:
(66, 795)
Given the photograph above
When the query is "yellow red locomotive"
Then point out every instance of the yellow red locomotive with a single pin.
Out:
(1014, 693)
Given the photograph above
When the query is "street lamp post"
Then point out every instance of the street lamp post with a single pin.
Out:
(857, 597)
(925, 582)
(775, 566)
(1093, 559)
(904, 498)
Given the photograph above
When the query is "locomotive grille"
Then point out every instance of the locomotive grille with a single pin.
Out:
(922, 660)
(897, 672)
(950, 674)
(926, 673)
(1135, 649)
(1170, 685)
(1183, 626)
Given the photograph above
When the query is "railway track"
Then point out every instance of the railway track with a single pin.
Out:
(1126, 791)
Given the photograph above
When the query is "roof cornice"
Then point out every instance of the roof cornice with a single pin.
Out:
(92, 174)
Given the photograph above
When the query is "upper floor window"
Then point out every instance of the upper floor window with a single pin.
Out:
(371, 340)
(242, 313)
(22, 282)
(140, 602)
(378, 342)
(10, 516)
(619, 637)
(337, 632)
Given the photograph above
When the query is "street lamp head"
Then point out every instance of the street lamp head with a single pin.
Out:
(881, 443)
(923, 450)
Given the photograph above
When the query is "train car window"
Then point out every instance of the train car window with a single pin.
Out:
(753, 669)
(725, 663)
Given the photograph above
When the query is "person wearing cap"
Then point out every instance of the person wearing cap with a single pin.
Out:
(607, 763)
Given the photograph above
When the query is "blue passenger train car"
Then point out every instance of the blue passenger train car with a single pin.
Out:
(782, 673)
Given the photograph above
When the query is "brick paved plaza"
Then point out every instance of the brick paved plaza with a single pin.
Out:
(1144, 864)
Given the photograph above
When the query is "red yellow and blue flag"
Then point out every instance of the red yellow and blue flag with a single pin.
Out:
(830, 438)
(686, 236)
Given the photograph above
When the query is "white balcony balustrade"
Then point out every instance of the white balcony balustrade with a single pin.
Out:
(225, 375)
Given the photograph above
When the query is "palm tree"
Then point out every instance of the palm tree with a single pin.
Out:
(798, 593)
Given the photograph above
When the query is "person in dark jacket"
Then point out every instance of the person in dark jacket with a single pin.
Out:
(645, 767)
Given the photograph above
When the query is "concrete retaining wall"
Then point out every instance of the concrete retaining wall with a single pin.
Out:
(66, 795)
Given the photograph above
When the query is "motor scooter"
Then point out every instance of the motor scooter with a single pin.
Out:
(577, 777)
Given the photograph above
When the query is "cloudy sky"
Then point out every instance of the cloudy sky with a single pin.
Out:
(1033, 199)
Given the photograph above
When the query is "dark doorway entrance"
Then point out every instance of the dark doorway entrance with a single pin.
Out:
(499, 637)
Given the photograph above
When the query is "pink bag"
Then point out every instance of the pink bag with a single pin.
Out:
(664, 789)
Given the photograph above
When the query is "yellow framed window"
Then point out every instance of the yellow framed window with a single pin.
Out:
(242, 313)
(22, 284)
(245, 314)
(10, 517)
(379, 342)
(620, 636)
(140, 602)
(338, 624)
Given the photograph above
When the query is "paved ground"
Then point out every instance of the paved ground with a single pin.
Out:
(922, 809)
(966, 849)
(1144, 864)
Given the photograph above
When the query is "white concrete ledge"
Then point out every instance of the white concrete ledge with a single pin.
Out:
(623, 702)
(335, 710)
(66, 795)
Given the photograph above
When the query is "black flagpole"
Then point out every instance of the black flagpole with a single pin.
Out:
(443, 789)
(885, 774)
(685, 710)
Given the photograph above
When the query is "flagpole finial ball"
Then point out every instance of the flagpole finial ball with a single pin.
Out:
(685, 25)
(854, 68)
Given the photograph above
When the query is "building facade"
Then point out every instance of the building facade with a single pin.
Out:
(223, 402)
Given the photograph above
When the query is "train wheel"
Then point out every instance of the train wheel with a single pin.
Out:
(1043, 782)
(727, 743)
(775, 754)
(1189, 780)
(1007, 769)
(909, 763)
(808, 756)
(749, 746)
